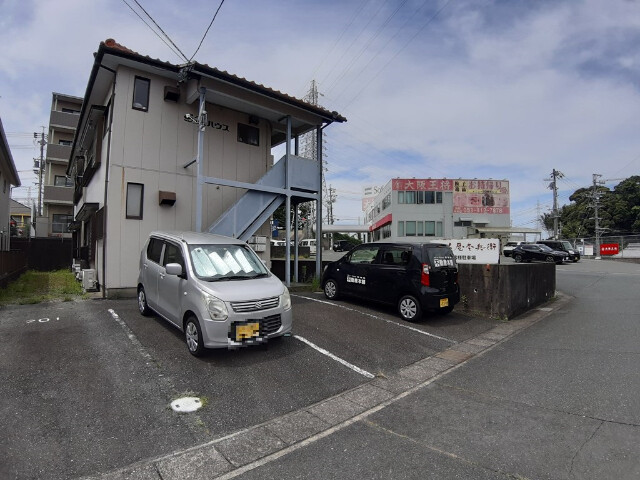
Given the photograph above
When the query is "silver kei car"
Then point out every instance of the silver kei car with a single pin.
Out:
(213, 288)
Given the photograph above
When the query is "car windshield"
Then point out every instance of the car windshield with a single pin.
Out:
(545, 248)
(225, 262)
(567, 245)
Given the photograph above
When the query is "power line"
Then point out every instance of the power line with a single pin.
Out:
(364, 87)
(205, 33)
(156, 33)
(337, 42)
(160, 28)
(366, 45)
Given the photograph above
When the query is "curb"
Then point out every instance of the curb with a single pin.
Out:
(247, 449)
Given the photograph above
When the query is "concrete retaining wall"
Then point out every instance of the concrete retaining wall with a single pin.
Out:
(505, 291)
(496, 291)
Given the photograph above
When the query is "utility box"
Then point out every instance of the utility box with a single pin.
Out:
(89, 280)
(258, 243)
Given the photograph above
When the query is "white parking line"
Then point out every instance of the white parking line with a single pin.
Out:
(336, 358)
(413, 329)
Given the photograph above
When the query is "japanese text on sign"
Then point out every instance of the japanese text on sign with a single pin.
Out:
(474, 250)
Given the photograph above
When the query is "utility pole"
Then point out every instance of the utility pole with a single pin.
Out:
(310, 145)
(555, 174)
(42, 142)
(596, 204)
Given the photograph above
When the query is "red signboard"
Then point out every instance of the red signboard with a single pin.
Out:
(609, 249)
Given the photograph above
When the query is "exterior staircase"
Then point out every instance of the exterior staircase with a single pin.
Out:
(255, 207)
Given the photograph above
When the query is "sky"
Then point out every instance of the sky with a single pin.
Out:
(501, 89)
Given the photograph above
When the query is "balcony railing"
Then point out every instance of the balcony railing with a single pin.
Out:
(62, 119)
(58, 195)
(58, 152)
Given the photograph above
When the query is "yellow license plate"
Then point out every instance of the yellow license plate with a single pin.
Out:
(444, 302)
(248, 330)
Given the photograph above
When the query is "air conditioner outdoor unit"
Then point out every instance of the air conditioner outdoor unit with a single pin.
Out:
(89, 281)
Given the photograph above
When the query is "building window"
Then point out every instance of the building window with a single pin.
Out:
(70, 110)
(430, 228)
(462, 223)
(400, 197)
(401, 229)
(429, 197)
(438, 197)
(420, 230)
(410, 228)
(410, 197)
(135, 195)
(63, 181)
(61, 223)
(66, 143)
(439, 229)
(248, 134)
(141, 94)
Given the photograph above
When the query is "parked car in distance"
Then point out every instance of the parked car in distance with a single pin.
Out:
(213, 288)
(509, 246)
(309, 242)
(278, 243)
(414, 277)
(341, 246)
(532, 251)
(562, 246)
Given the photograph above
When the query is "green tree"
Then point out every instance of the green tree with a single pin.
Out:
(619, 210)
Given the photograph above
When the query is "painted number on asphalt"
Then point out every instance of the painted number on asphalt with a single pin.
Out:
(42, 320)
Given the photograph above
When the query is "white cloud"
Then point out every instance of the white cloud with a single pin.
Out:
(500, 89)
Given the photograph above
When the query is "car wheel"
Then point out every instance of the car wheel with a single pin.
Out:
(517, 257)
(549, 258)
(193, 336)
(409, 309)
(142, 302)
(331, 289)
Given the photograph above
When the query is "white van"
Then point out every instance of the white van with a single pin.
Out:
(213, 288)
(309, 242)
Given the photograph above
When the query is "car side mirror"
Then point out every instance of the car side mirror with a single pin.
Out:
(173, 269)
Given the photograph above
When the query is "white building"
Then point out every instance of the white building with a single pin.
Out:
(181, 147)
(8, 177)
(411, 209)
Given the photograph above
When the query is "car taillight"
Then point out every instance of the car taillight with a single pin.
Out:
(424, 277)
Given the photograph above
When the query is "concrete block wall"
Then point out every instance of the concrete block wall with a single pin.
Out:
(505, 291)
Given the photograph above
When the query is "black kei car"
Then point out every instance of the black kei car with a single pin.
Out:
(562, 246)
(414, 277)
(533, 251)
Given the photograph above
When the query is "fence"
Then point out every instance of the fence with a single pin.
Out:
(45, 254)
(12, 265)
(628, 245)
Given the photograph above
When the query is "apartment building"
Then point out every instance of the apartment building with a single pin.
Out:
(57, 196)
(181, 147)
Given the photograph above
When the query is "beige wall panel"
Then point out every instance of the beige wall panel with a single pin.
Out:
(115, 225)
(169, 159)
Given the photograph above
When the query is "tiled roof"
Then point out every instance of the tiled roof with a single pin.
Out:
(111, 44)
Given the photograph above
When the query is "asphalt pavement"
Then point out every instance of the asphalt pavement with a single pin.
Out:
(552, 394)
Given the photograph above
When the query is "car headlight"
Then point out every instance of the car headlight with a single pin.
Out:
(285, 299)
(216, 307)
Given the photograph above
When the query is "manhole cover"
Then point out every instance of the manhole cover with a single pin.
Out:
(186, 404)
